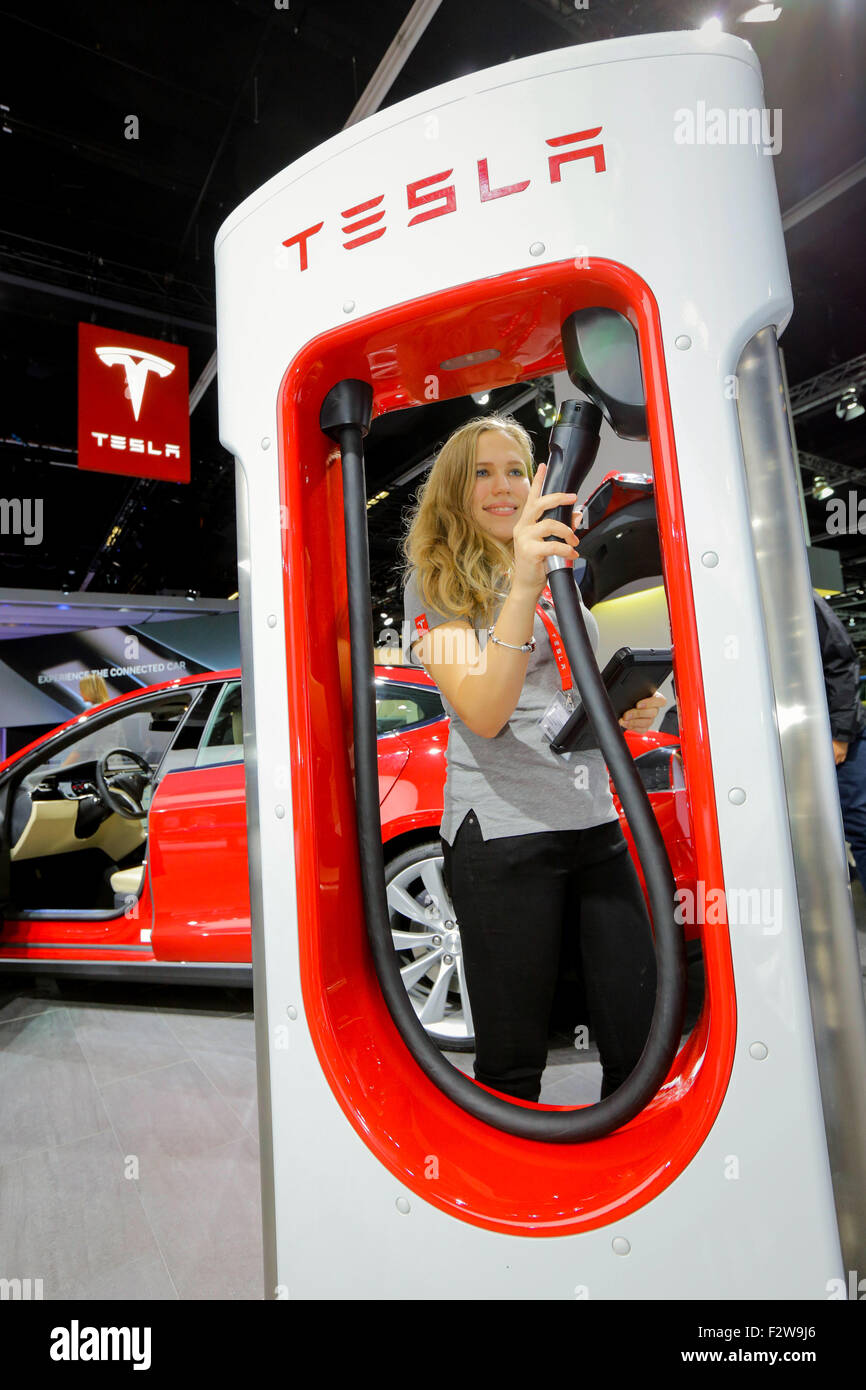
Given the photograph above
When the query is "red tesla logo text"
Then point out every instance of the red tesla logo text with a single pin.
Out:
(365, 221)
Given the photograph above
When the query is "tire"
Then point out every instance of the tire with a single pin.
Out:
(427, 941)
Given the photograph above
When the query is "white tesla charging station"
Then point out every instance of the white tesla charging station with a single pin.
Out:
(434, 250)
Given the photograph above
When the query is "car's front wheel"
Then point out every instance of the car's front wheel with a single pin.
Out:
(427, 941)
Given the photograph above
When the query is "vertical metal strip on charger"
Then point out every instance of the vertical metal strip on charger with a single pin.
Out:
(820, 865)
(257, 928)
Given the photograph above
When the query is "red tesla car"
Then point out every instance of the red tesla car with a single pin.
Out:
(124, 844)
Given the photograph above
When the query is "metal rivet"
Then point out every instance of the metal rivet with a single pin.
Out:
(403, 1206)
(736, 796)
(683, 342)
(758, 1050)
(266, 443)
(620, 1245)
(272, 620)
(537, 248)
(279, 811)
(348, 306)
(710, 559)
(292, 1011)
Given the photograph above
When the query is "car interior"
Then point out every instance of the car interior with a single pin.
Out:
(76, 821)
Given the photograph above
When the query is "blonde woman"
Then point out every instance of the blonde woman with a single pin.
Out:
(93, 689)
(535, 861)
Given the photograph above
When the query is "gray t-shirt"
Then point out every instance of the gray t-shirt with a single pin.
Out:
(513, 782)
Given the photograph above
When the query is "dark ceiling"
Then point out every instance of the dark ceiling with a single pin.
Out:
(120, 232)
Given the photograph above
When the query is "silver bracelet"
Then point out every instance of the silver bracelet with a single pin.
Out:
(527, 646)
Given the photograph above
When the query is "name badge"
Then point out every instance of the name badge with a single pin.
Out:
(557, 715)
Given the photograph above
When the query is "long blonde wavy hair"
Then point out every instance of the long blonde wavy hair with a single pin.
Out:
(459, 567)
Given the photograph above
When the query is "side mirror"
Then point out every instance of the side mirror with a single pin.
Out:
(603, 361)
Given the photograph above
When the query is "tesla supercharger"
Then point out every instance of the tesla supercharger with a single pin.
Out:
(435, 250)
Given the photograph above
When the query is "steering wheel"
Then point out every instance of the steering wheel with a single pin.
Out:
(121, 789)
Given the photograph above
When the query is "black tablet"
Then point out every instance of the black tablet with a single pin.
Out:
(632, 674)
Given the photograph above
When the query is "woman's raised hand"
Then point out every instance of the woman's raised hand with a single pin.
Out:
(530, 546)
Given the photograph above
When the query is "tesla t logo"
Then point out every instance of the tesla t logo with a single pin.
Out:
(136, 365)
(365, 221)
(133, 405)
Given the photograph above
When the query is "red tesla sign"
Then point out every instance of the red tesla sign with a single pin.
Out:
(133, 405)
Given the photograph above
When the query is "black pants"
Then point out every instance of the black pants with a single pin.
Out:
(525, 902)
(851, 776)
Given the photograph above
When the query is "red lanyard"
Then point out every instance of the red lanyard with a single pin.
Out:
(556, 643)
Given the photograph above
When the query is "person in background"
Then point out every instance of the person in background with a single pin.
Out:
(93, 690)
(120, 733)
(847, 726)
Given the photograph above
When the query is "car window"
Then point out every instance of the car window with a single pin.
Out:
(223, 741)
(401, 706)
(146, 730)
(181, 756)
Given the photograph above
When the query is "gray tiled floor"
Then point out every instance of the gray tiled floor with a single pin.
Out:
(128, 1149)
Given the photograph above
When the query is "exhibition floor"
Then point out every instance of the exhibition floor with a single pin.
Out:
(129, 1146)
(129, 1149)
